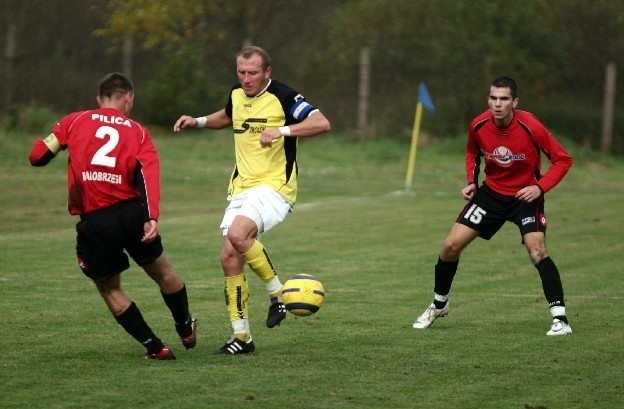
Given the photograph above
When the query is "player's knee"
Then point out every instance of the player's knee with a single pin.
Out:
(237, 236)
(229, 258)
(171, 281)
(450, 250)
(537, 254)
(159, 268)
(225, 258)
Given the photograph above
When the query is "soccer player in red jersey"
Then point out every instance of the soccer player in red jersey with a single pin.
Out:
(510, 142)
(113, 180)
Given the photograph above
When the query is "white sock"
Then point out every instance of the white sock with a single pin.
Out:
(274, 285)
(241, 326)
(557, 311)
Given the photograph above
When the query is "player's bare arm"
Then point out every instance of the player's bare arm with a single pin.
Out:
(216, 120)
(469, 191)
(316, 123)
(529, 193)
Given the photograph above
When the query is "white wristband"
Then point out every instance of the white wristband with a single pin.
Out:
(284, 130)
(201, 121)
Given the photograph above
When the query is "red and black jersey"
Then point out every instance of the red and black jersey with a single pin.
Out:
(111, 159)
(512, 154)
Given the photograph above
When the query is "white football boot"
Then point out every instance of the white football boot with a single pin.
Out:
(559, 327)
(431, 313)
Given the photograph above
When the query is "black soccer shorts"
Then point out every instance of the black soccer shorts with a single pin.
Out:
(103, 235)
(488, 211)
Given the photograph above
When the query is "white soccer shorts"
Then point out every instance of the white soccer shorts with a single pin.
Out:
(263, 205)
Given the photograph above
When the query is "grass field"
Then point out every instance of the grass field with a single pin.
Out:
(371, 244)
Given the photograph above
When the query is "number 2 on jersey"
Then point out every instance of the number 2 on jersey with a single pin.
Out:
(475, 214)
(101, 156)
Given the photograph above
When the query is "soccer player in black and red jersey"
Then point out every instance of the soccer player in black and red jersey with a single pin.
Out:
(113, 179)
(510, 142)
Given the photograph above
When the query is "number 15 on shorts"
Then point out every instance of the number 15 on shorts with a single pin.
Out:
(475, 214)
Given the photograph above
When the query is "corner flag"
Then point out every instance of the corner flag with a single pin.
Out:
(424, 99)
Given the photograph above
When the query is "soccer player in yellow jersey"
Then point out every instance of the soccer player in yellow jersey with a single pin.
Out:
(267, 117)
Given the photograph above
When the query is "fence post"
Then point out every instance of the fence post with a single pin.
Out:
(128, 52)
(9, 54)
(607, 113)
(364, 89)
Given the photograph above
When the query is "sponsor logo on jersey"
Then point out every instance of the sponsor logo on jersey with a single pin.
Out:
(251, 125)
(528, 220)
(503, 156)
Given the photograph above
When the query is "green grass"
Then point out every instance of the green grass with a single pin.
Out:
(372, 245)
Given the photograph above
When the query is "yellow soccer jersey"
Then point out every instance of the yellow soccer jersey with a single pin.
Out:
(276, 167)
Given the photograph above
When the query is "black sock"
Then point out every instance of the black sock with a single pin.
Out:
(562, 318)
(551, 282)
(132, 321)
(178, 305)
(439, 304)
(444, 274)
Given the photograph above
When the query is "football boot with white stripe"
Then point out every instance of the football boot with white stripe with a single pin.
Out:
(235, 346)
(277, 313)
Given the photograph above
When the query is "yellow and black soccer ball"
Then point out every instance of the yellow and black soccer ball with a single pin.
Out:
(303, 295)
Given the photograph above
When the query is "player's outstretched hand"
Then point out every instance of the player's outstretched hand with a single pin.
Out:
(184, 121)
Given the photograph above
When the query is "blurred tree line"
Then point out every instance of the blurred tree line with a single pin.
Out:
(180, 54)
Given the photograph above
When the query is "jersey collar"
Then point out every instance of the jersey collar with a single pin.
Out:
(264, 89)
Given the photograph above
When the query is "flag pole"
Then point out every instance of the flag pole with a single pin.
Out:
(413, 147)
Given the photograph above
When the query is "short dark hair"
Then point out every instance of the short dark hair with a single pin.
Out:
(114, 84)
(506, 82)
(250, 50)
